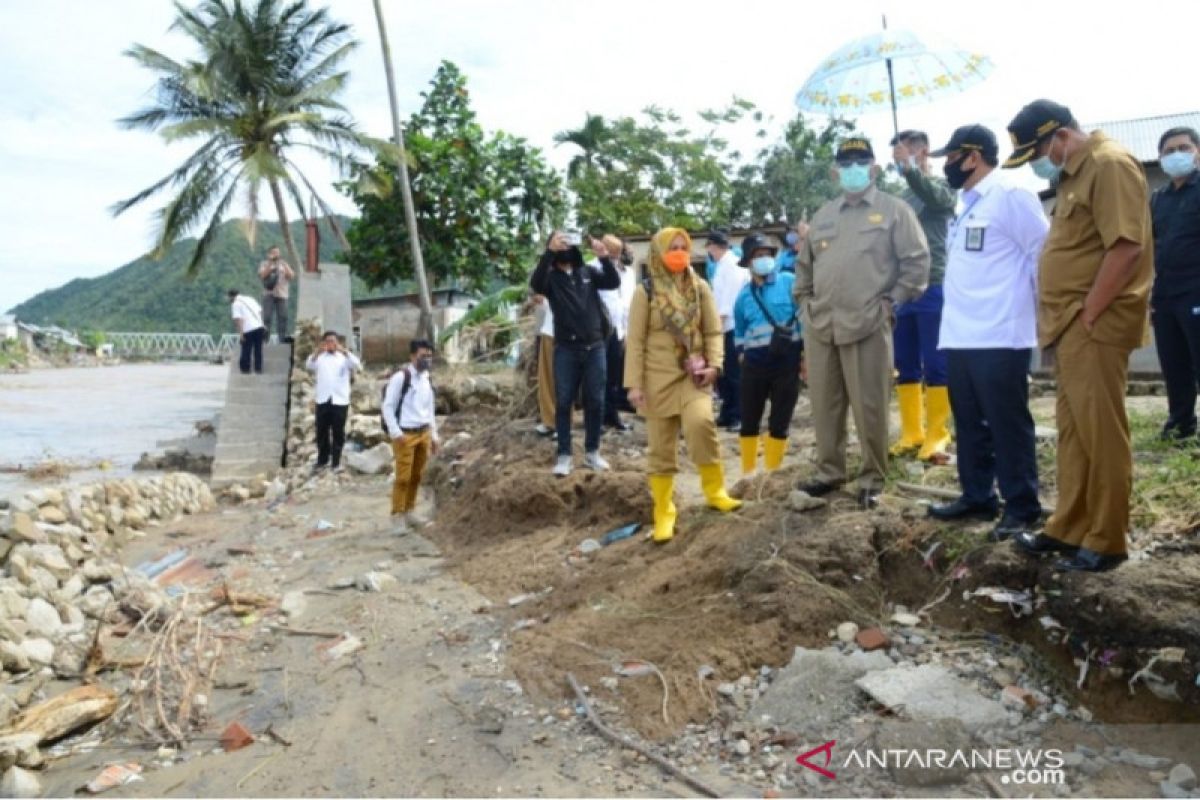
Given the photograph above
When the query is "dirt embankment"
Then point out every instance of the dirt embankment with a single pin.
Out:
(733, 593)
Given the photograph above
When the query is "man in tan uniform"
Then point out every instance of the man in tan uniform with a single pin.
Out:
(1094, 281)
(864, 255)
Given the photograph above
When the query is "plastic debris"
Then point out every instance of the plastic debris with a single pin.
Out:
(1049, 622)
(617, 534)
(517, 600)
(1019, 602)
(588, 546)
(344, 645)
(236, 737)
(113, 776)
(634, 669)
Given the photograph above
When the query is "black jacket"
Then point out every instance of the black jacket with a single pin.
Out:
(580, 317)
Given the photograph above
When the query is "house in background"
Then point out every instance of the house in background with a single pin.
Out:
(384, 324)
(8, 327)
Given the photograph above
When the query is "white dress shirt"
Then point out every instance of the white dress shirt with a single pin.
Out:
(728, 281)
(992, 253)
(618, 301)
(333, 375)
(249, 312)
(418, 410)
(547, 328)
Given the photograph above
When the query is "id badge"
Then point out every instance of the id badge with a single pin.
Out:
(975, 236)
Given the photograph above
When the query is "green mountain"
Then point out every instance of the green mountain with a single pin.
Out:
(157, 295)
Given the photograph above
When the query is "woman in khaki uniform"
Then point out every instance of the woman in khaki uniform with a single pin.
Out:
(673, 353)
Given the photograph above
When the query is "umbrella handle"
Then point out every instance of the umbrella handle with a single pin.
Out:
(891, 88)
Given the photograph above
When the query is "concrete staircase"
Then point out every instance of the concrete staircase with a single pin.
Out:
(253, 426)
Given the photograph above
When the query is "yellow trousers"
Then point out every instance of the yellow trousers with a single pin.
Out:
(545, 379)
(699, 432)
(1095, 455)
(412, 452)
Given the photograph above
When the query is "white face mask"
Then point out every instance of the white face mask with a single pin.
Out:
(763, 266)
(1178, 164)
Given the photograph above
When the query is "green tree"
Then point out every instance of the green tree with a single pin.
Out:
(264, 85)
(790, 177)
(484, 202)
(638, 175)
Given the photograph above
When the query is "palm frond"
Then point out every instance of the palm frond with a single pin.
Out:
(492, 308)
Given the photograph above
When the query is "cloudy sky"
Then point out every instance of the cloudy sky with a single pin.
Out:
(535, 67)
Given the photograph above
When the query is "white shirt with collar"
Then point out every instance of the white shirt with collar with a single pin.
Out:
(618, 301)
(992, 251)
(333, 375)
(248, 311)
(728, 280)
(418, 410)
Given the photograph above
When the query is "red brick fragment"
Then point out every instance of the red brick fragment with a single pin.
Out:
(872, 639)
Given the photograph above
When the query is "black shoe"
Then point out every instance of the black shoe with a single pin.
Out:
(618, 425)
(1036, 544)
(1086, 560)
(815, 488)
(964, 509)
(868, 499)
(289, 340)
(1010, 526)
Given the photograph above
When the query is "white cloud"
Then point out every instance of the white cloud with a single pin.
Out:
(535, 67)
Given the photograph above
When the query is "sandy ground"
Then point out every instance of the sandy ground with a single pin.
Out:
(428, 707)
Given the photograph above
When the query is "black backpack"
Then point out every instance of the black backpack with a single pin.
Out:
(269, 283)
(405, 385)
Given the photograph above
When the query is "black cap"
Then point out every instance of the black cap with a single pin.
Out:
(718, 237)
(1033, 123)
(904, 136)
(971, 137)
(856, 147)
(755, 241)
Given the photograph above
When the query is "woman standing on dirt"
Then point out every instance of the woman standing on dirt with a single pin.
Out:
(673, 354)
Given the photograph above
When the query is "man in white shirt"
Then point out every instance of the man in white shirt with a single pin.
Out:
(544, 319)
(989, 330)
(728, 280)
(408, 412)
(247, 318)
(333, 365)
(617, 303)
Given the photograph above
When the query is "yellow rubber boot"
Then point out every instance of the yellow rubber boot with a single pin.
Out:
(662, 489)
(937, 411)
(712, 481)
(749, 446)
(912, 432)
(773, 450)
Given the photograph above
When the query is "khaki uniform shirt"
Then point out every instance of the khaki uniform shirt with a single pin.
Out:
(858, 255)
(1102, 197)
(652, 360)
(286, 273)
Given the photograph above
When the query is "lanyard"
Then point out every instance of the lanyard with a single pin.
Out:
(961, 218)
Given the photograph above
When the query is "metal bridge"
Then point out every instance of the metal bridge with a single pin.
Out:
(172, 345)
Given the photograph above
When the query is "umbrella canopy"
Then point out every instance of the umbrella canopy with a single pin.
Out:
(890, 68)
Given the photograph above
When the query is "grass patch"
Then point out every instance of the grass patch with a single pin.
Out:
(1166, 479)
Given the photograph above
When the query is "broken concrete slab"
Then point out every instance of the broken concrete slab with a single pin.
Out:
(930, 692)
(817, 688)
(375, 461)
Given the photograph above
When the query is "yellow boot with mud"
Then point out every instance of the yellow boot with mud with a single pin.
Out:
(662, 489)
(937, 411)
(773, 450)
(749, 447)
(912, 432)
(712, 482)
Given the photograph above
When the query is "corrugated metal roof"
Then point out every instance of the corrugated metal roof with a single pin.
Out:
(1141, 135)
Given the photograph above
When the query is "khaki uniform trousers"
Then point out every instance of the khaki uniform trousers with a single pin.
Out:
(699, 432)
(412, 452)
(545, 379)
(854, 376)
(1095, 456)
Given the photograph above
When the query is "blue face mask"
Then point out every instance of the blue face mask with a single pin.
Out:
(791, 238)
(854, 178)
(763, 265)
(1045, 169)
(1178, 164)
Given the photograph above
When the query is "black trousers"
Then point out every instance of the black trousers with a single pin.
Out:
(331, 433)
(730, 385)
(252, 344)
(989, 397)
(614, 396)
(779, 383)
(1176, 323)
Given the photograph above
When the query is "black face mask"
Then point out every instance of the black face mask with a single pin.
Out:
(626, 258)
(956, 176)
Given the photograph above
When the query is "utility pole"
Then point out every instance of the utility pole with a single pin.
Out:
(410, 216)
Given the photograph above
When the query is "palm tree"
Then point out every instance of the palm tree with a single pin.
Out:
(589, 138)
(263, 86)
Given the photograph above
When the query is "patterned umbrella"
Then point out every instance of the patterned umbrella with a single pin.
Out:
(892, 67)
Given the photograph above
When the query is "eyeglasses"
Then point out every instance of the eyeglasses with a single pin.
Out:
(854, 162)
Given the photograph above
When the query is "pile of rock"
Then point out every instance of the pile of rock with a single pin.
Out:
(60, 577)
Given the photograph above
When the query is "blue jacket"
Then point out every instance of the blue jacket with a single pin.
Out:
(786, 260)
(751, 328)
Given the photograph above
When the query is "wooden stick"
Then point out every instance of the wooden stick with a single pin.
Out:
(626, 741)
(304, 632)
(932, 491)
